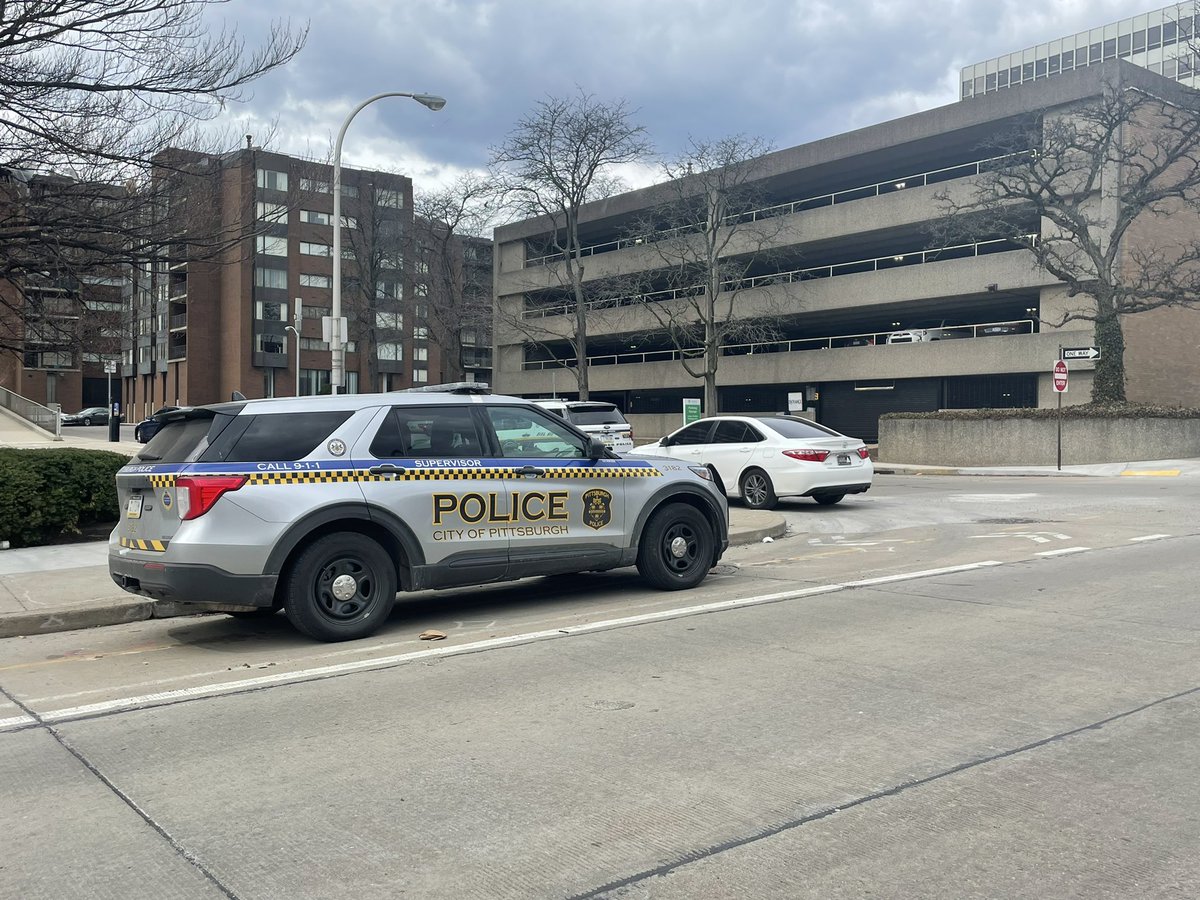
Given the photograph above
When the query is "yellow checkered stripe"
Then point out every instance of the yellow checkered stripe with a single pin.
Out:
(135, 544)
(336, 476)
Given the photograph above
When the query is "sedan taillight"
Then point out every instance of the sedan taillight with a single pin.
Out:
(863, 453)
(808, 455)
(197, 493)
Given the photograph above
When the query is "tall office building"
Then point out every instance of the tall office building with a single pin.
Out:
(1164, 41)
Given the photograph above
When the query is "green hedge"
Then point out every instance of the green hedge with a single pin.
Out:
(1075, 411)
(48, 494)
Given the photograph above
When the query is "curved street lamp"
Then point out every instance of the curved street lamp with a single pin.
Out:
(337, 339)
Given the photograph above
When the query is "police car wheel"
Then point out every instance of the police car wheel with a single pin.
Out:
(341, 587)
(677, 547)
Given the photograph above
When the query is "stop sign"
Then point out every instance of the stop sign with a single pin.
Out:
(1060, 377)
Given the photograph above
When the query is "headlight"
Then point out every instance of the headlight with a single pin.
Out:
(702, 471)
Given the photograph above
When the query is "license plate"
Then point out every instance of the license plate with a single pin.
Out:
(843, 459)
(133, 509)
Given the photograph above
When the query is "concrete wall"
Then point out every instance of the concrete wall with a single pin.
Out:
(1033, 442)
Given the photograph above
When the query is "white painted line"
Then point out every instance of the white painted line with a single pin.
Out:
(1064, 551)
(1149, 537)
(16, 722)
(383, 662)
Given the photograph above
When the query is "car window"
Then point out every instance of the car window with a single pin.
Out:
(415, 431)
(595, 415)
(281, 436)
(524, 432)
(735, 433)
(181, 441)
(696, 433)
(798, 428)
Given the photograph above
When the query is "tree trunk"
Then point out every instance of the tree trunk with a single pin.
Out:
(1108, 385)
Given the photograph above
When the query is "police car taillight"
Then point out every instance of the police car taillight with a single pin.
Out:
(196, 494)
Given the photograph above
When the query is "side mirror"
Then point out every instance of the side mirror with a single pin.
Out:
(664, 442)
(596, 449)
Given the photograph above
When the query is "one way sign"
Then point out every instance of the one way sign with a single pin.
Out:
(1080, 353)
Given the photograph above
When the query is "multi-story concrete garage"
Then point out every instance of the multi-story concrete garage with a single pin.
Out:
(873, 312)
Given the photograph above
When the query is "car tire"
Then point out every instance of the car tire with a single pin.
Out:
(310, 600)
(757, 491)
(677, 548)
(828, 499)
(87, 421)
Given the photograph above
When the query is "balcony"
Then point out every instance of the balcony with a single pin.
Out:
(178, 321)
(177, 349)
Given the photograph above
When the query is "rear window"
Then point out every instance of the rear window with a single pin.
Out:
(278, 436)
(798, 428)
(179, 441)
(595, 415)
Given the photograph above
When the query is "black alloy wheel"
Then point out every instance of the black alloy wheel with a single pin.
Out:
(676, 549)
(341, 587)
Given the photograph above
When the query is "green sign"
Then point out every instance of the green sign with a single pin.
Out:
(691, 411)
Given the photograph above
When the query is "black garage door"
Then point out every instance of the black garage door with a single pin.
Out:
(854, 407)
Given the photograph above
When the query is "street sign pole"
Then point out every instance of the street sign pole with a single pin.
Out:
(1059, 377)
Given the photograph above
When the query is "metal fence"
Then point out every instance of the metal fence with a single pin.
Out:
(35, 413)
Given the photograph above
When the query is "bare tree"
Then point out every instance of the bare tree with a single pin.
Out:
(378, 294)
(710, 238)
(95, 95)
(559, 157)
(457, 289)
(1085, 190)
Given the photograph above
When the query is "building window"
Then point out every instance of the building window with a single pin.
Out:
(420, 376)
(315, 186)
(467, 337)
(420, 333)
(269, 343)
(316, 281)
(313, 382)
(421, 354)
(313, 217)
(351, 191)
(271, 246)
(270, 278)
(392, 320)
(392, 199)
(389, 289)
(272, 181)
(270, 311)
(271, 212)
(421, 289)
(307, 248)
(314, 312)
(58, 359)
(390, 350)
(349, 222)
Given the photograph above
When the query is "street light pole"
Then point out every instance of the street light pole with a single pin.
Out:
(337, 339)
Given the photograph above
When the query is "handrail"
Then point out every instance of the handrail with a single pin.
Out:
(897, 260)
(43, 417)
(889, 186)
(833, 342)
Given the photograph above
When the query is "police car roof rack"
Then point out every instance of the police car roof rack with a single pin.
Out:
(454, 387)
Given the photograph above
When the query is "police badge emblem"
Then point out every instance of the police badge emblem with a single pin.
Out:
(597, 508)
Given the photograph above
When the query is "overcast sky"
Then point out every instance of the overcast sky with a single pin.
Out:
(789, 71)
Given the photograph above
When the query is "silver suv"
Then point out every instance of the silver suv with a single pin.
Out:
(597, 418)
(326, 506)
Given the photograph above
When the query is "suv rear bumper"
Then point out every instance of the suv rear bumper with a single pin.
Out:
(191, 583)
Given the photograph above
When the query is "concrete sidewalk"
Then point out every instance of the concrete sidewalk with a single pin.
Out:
(16, 432)
(1155, 467)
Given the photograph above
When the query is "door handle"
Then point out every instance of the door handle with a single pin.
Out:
(385, 469)
(531, 472)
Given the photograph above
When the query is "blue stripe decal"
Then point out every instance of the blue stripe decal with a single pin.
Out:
(342, 465)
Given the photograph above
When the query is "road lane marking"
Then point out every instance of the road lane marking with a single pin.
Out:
(1038, 537)
(1149, 537)
(988, 498)
(1063, 552)
(320, 672)
(1160, 473)
(16, 722)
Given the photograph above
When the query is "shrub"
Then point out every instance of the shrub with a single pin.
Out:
(46, 494)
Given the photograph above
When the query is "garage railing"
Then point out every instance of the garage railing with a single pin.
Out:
(834, 342)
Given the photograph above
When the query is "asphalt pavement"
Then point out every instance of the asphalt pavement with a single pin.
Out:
(65, 587)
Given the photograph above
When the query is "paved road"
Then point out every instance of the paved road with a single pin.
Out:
(1018, 723)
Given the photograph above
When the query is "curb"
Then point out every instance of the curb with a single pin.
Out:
(743, 536)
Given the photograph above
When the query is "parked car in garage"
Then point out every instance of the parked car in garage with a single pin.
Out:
(93, 415)
(764, 458)
(939, 332)
(148, 427)
(1000, 328)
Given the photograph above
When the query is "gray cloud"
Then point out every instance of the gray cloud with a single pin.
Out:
(789, 72)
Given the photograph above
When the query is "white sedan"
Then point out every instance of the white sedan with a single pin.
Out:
(763, 459)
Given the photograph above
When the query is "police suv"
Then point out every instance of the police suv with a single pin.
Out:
(326, 506)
